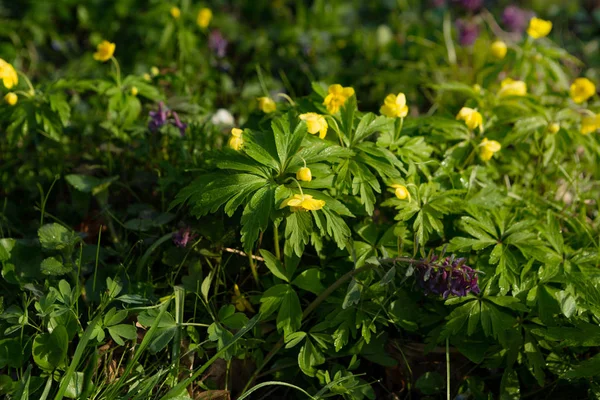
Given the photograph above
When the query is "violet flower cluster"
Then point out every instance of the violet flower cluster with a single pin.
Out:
(162, 116)
(182, 237)
(217, 43)
(447, 276)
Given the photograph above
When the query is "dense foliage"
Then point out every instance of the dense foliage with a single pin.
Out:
(291, 199)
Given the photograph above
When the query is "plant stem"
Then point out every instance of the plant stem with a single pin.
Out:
(276, 241)
(447, 369)
(253, 267)
(116, 64)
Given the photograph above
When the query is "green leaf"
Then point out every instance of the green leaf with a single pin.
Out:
(90, 184)
(255, 218)
(535, 360)
(430, 383)
(310, 280)
(298, 227)
(53, 266)
(586, 369)
(509, 386)
(294, 339)
(369, 124)
(235, 321)
(309, 357)
(289, 317)
(6, 246)
(113, 317)
(50, 349)
(56, 237)
(11, 354)
(352, 294)
(122, 331)
(274, 265)
(271, 299)
(347, 117)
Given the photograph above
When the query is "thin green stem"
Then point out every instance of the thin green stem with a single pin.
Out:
(118, 71)
(276, 241)
(31, 89)
(448, 369)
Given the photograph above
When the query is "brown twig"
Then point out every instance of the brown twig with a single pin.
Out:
(241, 253)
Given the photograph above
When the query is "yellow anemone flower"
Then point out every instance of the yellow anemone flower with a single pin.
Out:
(539, 28)
(488, 148)
(239, 301)
(472, 117)
(582, 89)
(175, 12)
(394, 106)
(134, 91)
(336, 97)
(147, 77)
(303, 202)
(8, 74)
(236, 141)
(11, 98)
(401, 192)
(499, 49)
(590, 124)
(104, 51)
(304, 174)
(553, 128)
(511, 87)
(266, 104)
(204, 17)
(315, 123)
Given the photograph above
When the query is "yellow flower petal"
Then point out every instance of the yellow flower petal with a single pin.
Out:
(104, 51)
(581, 90)
(204, 17)
(539, 28)
(472, 117)
(304, 174)
(266, 104)
(499, 49)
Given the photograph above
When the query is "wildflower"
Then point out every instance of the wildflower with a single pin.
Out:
(304, 174)
(175, 12)
(590, 124)
(553, 128)
(204, 17)
(266, 104)
(488, 148)
(401, 192)
(236, 141)
(336, 97)
(499, 49)
(510, 87)
(539, 28)
(158, 118)
(394, 106)
(467, 32)
(8, 74)
(222, 117)
(516, 19)
(448, 276)
(315, 123)
(154, 71)
(177, 122)
(472, 117)
(104, 51)
(217, 43)
(182, 237)
(582, 89)
(239, 301)
(147, 77)
(303, 202)
(11, 98)
(134, 91)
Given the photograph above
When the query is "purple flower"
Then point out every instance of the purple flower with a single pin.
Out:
(182, 237)
(516, 19)
(178, 123)
(217, 43)
(159, 118)
(467, 32)
(471, 5)
(448, 276)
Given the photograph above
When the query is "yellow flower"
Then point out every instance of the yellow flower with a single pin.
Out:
(590, 124)
(499, 49)
(553, 128)
(303, 202)
(266, 104)
(8, 74)
(394, 106)
(204, 17)
(11, 98)
(472, 117)
(582, 89)
(315, 123)
(401, 192)
(175, 12)
(538, 28)
(488, 148)
(477, 88)
(304, 174)
(104, 51)
(236, 141)
(241, 303)
(510, 87)
(147, 77)
(336, 97)
(134, 91)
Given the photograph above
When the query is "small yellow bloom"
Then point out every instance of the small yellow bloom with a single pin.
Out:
(477, 88)
(553, 128)
(236, 141)
(315, 123)
(590, 124)
(336, 97)
(582, 89)
(401, 192)
(488, 148)
(8, 74)
(11, 98)
(510, 87)
(472, 117)
(147, 77)
(175, 12)
(134, 91)
(104, 51)
(499, 49)
(266, 104)
(394, 106)
(303, 202)
(154, 71)
(241, 303)
(539, 28)
(304, 174)
(204, 17)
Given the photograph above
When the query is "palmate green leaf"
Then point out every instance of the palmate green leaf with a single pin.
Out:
(298, 226)
(255, 218)
(238, 161)
(510, 388)
(333, 226)
(582, 334)
(310, 280)
(56, 237)
(288, 133)
(347, 118)
(260, 146)
(274, 265)
(370, 124)
(289, 318)
(309, 357)
(122, 331)
(380, 159)
(458, 317)
(586, 369)
(535, 359)
(271, 299)
(315, 150)
(364, 183)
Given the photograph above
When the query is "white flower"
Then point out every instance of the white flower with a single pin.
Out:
(222, 117)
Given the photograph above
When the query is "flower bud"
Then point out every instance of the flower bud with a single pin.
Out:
(11, 98)
(553, 128)
(304, 174)
(499, 49)
(134, 91)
